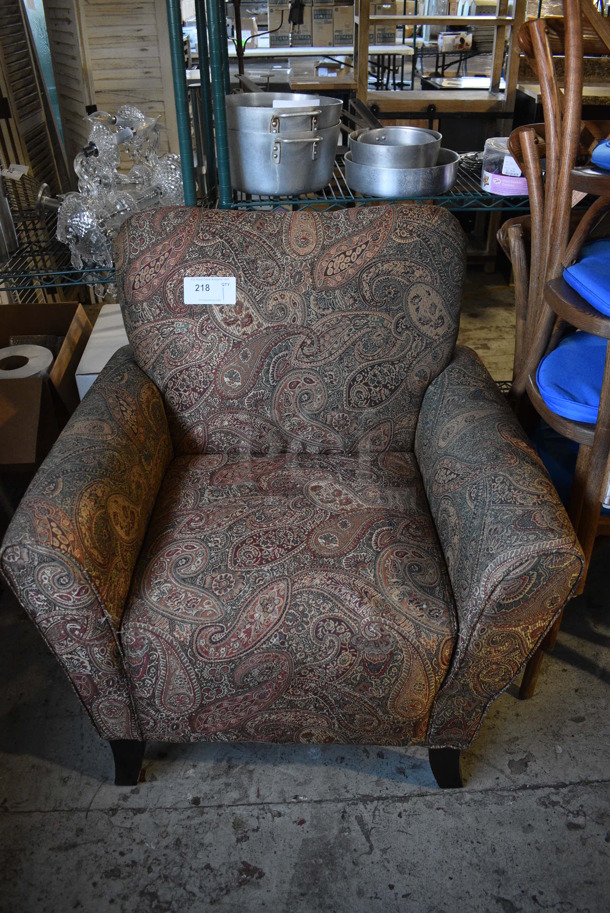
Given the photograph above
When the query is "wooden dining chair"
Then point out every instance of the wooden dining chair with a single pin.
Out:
(554, 157)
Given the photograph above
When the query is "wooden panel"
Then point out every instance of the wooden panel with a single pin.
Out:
(74, 91)
(108, 53)
(418, 102)
(28, 134)
(128, 57)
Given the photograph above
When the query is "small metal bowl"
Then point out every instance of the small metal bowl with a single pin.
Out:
(395, 147)
(403, 183)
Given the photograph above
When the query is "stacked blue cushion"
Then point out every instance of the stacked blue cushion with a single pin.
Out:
(590, 277)
(570, 377)
(601, 155)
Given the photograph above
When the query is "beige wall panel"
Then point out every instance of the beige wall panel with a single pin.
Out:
(110, 53)
(74, 91)
(128, 54)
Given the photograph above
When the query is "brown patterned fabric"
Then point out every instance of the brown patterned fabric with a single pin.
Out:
(70, 549)
(342, 319)
(289, 598)
(294, 518)
(511, 552)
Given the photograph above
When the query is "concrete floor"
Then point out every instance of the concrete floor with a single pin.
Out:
(307, 829)
(241, 828)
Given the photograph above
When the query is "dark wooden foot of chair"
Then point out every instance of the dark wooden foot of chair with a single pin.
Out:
(532, 668)
(530, 675)
(128, 756)
(445, 764)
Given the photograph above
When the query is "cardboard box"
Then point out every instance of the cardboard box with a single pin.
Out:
(302, 35)
(388, 32)
(385, 34)
(322, 26)
(343, 25)
(108, 335)
(278, 12)
(33, 410)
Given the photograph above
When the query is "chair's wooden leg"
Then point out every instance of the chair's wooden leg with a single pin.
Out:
(128, 755)
(548, 644)
(532, 668)
(445, 764)
(530, 675)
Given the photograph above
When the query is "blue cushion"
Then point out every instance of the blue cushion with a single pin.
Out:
(601, 155)
(570, 377)
(590, 277)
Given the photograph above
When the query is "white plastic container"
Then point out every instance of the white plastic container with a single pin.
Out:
(500, 173)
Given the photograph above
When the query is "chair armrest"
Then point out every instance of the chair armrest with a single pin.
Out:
(72, 545)
(512, 555)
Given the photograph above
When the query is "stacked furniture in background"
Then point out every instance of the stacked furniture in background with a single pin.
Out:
(559, 330)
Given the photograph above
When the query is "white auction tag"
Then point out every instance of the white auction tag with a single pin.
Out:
(210, 290)
(304, 103)
(14, 172)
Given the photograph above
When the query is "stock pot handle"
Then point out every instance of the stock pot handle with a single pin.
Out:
(275, 122)
(276, 150)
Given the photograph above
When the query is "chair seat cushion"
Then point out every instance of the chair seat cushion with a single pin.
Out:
(590, 276)
(294, 598)
(570, 377)
(601, 155)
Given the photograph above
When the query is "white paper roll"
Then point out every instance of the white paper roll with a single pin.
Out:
(12, 366)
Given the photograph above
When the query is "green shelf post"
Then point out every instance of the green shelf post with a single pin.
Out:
(206, 94)
(224, 44)
(217, 72)
(174, 21)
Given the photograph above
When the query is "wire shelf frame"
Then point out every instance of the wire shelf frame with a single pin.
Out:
(466, 195)
(43, 263)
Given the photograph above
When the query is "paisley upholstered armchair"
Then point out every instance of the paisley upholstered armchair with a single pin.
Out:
(306, 516)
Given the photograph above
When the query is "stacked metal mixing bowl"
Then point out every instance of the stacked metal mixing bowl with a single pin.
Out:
(399, 163)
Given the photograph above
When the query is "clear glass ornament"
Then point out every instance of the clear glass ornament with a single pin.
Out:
(88, 221)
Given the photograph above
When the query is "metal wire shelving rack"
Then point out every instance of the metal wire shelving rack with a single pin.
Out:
(41, 267)
(41, 263)
(466, 195)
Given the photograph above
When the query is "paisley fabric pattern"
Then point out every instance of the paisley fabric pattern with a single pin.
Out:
(60, 600)
(511, 552)
(341, 321)
(299, 517)
(71, 548)
(300, 597)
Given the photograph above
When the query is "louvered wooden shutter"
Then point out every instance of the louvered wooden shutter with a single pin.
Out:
(73, 80)
(27, 136)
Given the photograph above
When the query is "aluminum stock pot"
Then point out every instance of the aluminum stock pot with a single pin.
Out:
(282, 143)
(263, 111)
(403, 183)
(395, 147)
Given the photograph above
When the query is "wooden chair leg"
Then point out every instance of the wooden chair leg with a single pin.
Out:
(548, 644)
(128, 755)
(530, 675)
(532, 668)
(445, 764)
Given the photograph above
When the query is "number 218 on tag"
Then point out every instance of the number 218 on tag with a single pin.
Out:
(210, 290)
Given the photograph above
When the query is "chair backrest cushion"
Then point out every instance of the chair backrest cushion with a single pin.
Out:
(341, 321)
